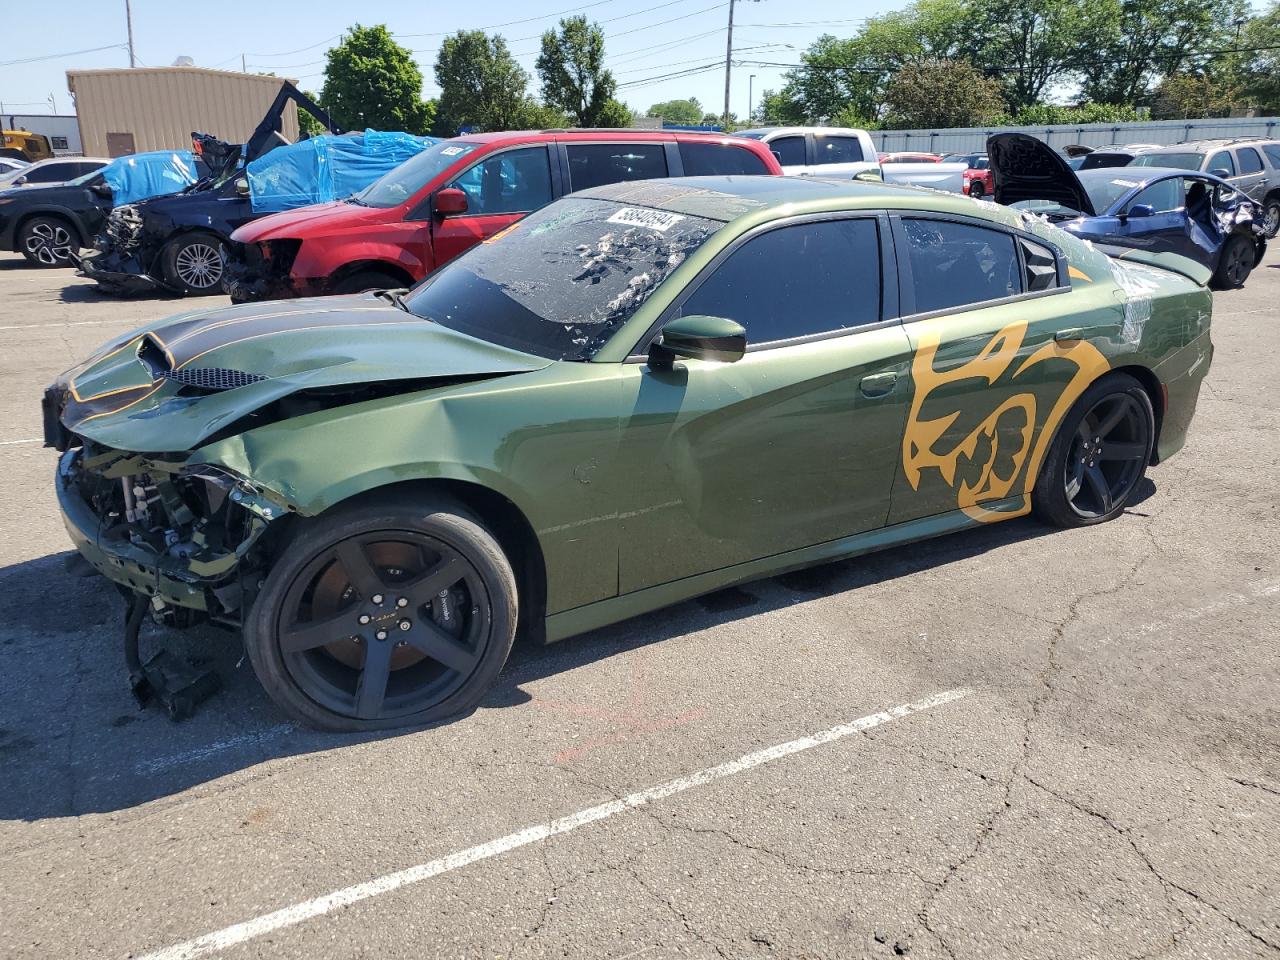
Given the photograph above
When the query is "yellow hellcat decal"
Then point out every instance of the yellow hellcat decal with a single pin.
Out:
(920, 446)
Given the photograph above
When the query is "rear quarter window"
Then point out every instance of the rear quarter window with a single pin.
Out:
(1250, 162)
(713, 159)
(789, 151)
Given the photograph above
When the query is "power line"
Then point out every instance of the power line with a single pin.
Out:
(55, 56)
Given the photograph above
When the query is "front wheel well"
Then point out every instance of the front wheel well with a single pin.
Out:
(507, 523)
(1155, 391)
(395, 271)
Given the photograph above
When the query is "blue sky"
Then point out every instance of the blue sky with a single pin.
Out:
(645, 39)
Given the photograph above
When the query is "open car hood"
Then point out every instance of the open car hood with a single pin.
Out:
(169, 387)
(1024, 168)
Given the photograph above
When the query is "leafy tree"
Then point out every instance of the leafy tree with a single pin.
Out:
(941, 93)
(1260, 72)
(1200, 94)
(571, 67)
(372, 81)
(481, 85)
(308, 125)
(777, 109)
(678, 111)
(1036, 44)
(615, 114)
(1049, 115)
(1156, 37)
(539, 116)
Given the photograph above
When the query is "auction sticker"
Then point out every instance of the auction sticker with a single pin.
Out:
(640, 217)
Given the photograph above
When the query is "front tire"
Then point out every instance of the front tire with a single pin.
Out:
(383, 615)
(192, 264)
(1271, 217)
(366, 281)
(1235, 263)
(47, 241)
(1099, 455)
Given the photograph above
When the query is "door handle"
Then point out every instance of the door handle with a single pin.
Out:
(1073, 333)
(878, 384)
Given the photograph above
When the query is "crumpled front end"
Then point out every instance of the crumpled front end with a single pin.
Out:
(123, 255)
(262, 271)
(190, 538)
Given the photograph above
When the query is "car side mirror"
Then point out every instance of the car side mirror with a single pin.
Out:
(698, 338)
(242, 186)
(1142, 210)
(450, 201)
(1221, 172)
(102, 190)
(21, 181)
(871, 176)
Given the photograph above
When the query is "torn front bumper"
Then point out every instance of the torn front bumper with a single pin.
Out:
(118, 272)
(191, 569)
(261, 271)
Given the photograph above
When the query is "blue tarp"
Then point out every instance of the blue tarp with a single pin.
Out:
(153, 174)
(327, 168)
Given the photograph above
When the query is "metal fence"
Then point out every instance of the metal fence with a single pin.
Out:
(974, 139)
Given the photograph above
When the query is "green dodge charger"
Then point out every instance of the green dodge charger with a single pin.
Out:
(636, 395)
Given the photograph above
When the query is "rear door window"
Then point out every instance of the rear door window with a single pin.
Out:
(516, 181)
(838, 150)
(956, 264)
(597, 164)
(797, 281)
(713, 159)
(1272, 150)
(54, 173)
(789, 151)
(1250, 162)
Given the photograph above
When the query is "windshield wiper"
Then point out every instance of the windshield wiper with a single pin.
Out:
(354, 199)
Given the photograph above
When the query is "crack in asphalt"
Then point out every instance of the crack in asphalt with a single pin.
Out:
(1256, 786)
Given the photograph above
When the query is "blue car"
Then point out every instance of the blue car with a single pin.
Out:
(1163, 210)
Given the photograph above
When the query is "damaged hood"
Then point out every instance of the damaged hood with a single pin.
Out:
(1024, 168)
(336, 215)
(168, 387)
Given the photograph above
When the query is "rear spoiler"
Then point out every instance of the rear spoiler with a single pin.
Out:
(1172, 262)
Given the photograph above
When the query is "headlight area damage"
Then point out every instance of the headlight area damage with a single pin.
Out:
(124, 254)
(187, 543)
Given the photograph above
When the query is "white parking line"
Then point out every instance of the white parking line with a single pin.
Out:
(157, 764)
(9, 443)
(124, 321)
(289, 916)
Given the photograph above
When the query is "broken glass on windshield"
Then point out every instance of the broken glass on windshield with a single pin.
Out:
(561, 281)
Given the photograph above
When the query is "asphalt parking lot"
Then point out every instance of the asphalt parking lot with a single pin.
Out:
(1014, 742)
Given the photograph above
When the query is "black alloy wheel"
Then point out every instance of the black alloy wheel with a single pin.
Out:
(1238, 259)
(1108, 456)
(384, 618)
(1099, 455)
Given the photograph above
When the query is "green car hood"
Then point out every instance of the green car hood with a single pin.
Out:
(170, 386)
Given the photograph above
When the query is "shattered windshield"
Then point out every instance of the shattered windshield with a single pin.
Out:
(560, 282)
(396, 186)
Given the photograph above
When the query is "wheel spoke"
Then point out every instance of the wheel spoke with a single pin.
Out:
(440, 577)
(428, 638)
(1123, 451)
(371, 689)
(1075, 481)
(1088, 427)
(1098, 484)
(355, 563)
(308, 636)
(1119, 411)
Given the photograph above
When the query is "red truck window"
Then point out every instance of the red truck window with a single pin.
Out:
(719, 159)
(596, 164)
(515, 181)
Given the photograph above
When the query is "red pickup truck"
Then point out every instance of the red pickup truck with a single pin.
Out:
(453, 195)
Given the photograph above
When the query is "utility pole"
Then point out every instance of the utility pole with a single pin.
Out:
(728, 63)
(243, 68)
(751, 82)
(128, 19)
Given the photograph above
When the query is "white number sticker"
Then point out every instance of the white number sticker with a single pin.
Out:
(653, 219)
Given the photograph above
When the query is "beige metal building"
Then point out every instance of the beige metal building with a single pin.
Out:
(157, 108)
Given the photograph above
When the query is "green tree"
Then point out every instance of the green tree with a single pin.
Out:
(777, 109)
(571, 67)
(1036, 44)
(1156, 37)
(1051, 115)
(615, 114)
(678, 111)
(308, 125)
(941, 93)
(538, 116)
(481, 85)
(1260, 71)
(372, 81)
(1195, 94)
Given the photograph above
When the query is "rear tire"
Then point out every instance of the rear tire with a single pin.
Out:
(192, 264)
(1271, 216)
(48, 241)
(1099, 456)
(976, 190)
(366, 281)
(386, 614)
(1238, 258)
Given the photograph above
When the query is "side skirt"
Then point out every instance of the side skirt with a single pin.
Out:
(581, 619)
